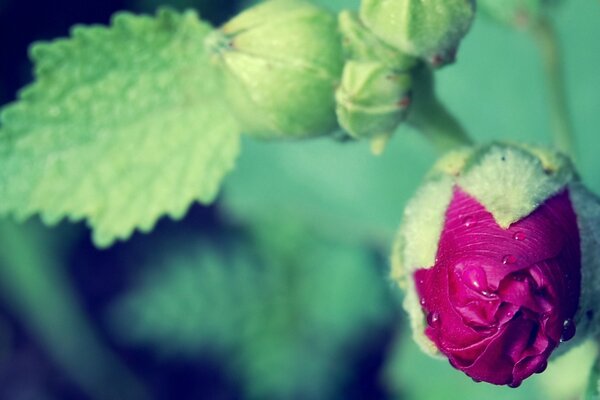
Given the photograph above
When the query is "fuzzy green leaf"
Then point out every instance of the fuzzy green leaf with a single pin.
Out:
(122, 125)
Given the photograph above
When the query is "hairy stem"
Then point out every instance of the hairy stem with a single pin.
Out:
(431, 118)
(560, 119)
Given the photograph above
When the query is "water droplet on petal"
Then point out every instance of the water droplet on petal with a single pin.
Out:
(422, 301)
(514, 384)
(568, 330)
(520, 236)
(468, 221)
(475, 278)
(542, 367)
(509, 259)
(433, 319)
(476, 380)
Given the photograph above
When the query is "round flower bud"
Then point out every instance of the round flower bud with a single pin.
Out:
(498, 255)
(283, 59)
(427, 29)
(372, 99)
(518, 13)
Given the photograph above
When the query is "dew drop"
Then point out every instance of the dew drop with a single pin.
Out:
(542, 367)
(468, 222)
(433, 319)
(514, 384)
(476, 380)
(422, 301)
(568, 330)
(520, 236)
(509, 259)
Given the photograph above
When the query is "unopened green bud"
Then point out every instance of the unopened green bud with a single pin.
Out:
(372, 99)
(283, 59)
(430, 29)
(520, 13)
(361, 44)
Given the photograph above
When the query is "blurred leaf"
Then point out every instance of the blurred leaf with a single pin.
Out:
(34, 286)
(283, 326)
(123, 125)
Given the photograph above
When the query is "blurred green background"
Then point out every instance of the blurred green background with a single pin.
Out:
(280, 290)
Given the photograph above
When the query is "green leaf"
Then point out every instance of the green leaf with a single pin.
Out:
(122, 125)
(281, 314)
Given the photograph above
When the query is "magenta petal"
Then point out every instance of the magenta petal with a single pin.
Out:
(497, 298)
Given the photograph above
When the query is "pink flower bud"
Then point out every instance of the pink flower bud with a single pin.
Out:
(499, 301)
(499, 257)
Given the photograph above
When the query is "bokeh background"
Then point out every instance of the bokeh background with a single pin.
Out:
(279, 290)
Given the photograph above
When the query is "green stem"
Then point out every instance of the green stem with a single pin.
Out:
(431, 118)
(548, 43)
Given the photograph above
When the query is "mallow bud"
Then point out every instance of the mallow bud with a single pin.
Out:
(372, 99)
(282, 60)
(498, 254)
(374, 93)
(361, 44)
(430, 29)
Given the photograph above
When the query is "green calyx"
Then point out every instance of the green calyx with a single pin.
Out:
(374, 93)
(519, 13)
(360, 44)
(513, 180)
(372, 99)
(283, 59)
(509, 180)
(431, 29)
